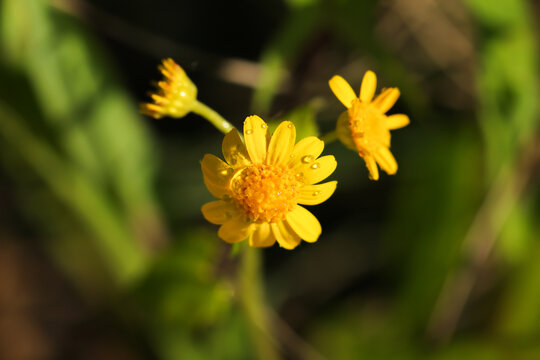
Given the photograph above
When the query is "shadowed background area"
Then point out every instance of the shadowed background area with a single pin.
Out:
(104, 253)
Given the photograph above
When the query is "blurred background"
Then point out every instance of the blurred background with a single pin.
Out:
(104, 253)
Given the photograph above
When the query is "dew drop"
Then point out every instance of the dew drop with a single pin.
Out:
(315, 166)
(307, 159)
(264, 126)
(299, 175)
(316, 193)
(249, 132)
(292, 155)
(290, 125)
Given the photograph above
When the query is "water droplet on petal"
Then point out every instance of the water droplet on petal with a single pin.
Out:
(230, 171)
(315, 166)
(299, 175)
(249, 132)
(264, 126)
(292, 155)
(290, 125)
(307, 159)
(316, 193)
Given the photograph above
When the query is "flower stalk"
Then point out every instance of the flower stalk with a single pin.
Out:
(252, 300)
(212, 116)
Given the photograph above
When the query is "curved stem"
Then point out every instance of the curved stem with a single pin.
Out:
(213, 117)
(253, 302)
(329, 137)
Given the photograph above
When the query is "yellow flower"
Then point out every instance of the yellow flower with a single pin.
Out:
(176, 94)
(364, 127)
(262, 182)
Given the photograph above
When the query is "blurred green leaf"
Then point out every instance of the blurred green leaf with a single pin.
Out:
(359, 329)
(87, 124)
(498, 12)
(434, 215)
(509, 116)
(189, 302)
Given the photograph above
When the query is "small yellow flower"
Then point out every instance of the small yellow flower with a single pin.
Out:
(262, 182)
(176, 94)
(365, 127)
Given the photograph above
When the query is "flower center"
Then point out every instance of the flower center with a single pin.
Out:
(367, 126)
(266, 193)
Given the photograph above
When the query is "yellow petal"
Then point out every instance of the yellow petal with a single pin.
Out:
(310, 146)
(234, 150)
(397, 121)
(216, 174)
(344, 132)
(372, 167)
(386, 160)
(235, 229)
(343, 91)
(262, 236)
(282, 144)
(316, 194)
(387, 99)
(255, 130)
(318, 170)
(369, 84)
(285, 236)
(217, 191)
(304, 224)
(218, 212)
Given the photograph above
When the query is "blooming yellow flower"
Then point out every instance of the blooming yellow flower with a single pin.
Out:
(176, 94)
(262, 183)
(364, 127)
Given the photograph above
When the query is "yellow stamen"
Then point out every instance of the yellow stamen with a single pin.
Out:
(364, 118)
(266, 193)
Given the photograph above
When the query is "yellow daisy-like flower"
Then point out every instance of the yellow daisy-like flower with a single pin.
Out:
(176, 94)
(365, 127)
(262, 183)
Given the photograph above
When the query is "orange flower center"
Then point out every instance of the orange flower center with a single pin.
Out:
(266, 193)
(368, 128)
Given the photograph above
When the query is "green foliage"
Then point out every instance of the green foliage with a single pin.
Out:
(84, 136)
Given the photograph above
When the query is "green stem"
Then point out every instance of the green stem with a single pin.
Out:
(329, 137)
(253, 302)
(215, 119)
(116, 243)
